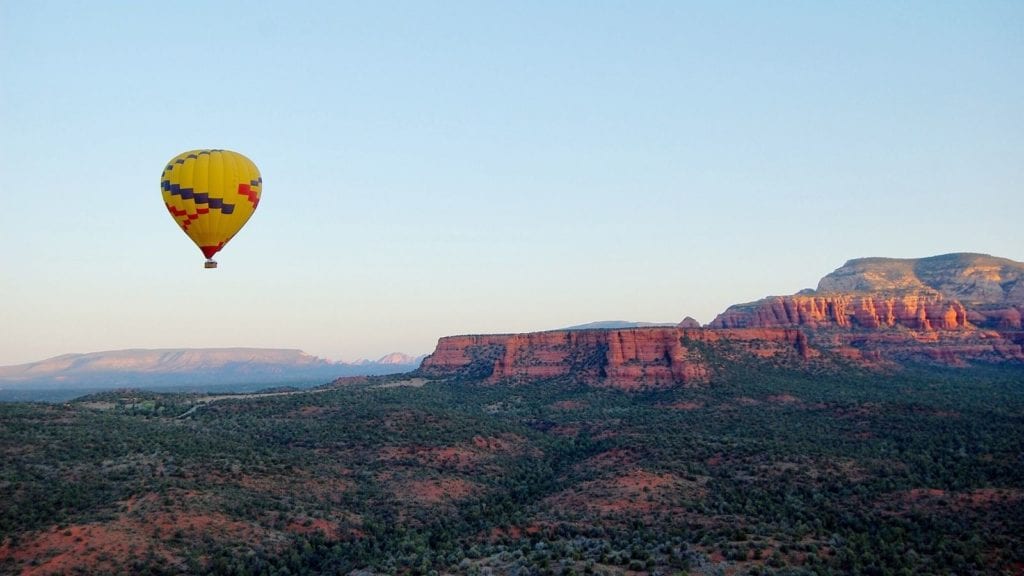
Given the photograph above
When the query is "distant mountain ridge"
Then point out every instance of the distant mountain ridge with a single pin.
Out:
(395, 358)
(616, 324)
(162, 360)
(191, 366)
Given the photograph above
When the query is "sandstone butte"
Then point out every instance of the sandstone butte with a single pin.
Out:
(951, 309)
(627, 358)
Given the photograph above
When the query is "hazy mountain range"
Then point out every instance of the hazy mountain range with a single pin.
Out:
(614, 324)
(191, 367)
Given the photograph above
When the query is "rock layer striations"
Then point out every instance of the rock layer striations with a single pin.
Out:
(912, 311)
(952, 308)
(948, 292)
(621, 358)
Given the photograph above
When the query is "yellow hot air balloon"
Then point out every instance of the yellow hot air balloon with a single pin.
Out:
(211, 194)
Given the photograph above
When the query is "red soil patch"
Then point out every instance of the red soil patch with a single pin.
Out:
(606, 434)
(110, 547)
(436, 490)
(507, 443)
(516, 532)
(568, 405)
(149, 527)
(685, 405)
(513, 532)
(85, 547)
(308, 411)
(638, 480)
(311, 525)
(616, 458)
(784, 399)
(635, 491)
(400, 419)
(448, 453)
(919, 493)
(980, 498)
(458, 457)
(215, 525)
(984, 497)
(324, 487)
(134, 503)
(461, 457)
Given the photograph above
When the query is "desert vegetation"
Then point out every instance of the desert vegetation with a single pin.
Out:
(767, 469)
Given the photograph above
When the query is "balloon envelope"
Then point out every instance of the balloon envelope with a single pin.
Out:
(211, 194)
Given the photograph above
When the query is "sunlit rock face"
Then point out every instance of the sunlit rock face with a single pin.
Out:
(620, 358)
(953, 309)
(948, 292)
(913, 311)
(969, 278)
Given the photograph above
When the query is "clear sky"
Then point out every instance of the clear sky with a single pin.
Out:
(437, 168)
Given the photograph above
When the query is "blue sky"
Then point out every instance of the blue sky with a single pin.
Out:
(461, 167)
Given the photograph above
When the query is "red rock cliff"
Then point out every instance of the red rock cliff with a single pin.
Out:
(916, 312)
(624, 358)
(953, 309)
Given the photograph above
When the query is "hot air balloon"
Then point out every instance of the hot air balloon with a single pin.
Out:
(211, 194)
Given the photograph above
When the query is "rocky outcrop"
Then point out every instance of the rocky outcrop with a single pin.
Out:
(916, 312)
(625, 358)
(952, 309)
(949, 292)
(970, 278)
(998, 317)
(990, 288)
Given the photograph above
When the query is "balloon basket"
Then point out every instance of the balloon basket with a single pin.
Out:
(210, 264)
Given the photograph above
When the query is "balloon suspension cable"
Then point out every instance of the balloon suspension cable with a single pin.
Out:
(210, 263)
